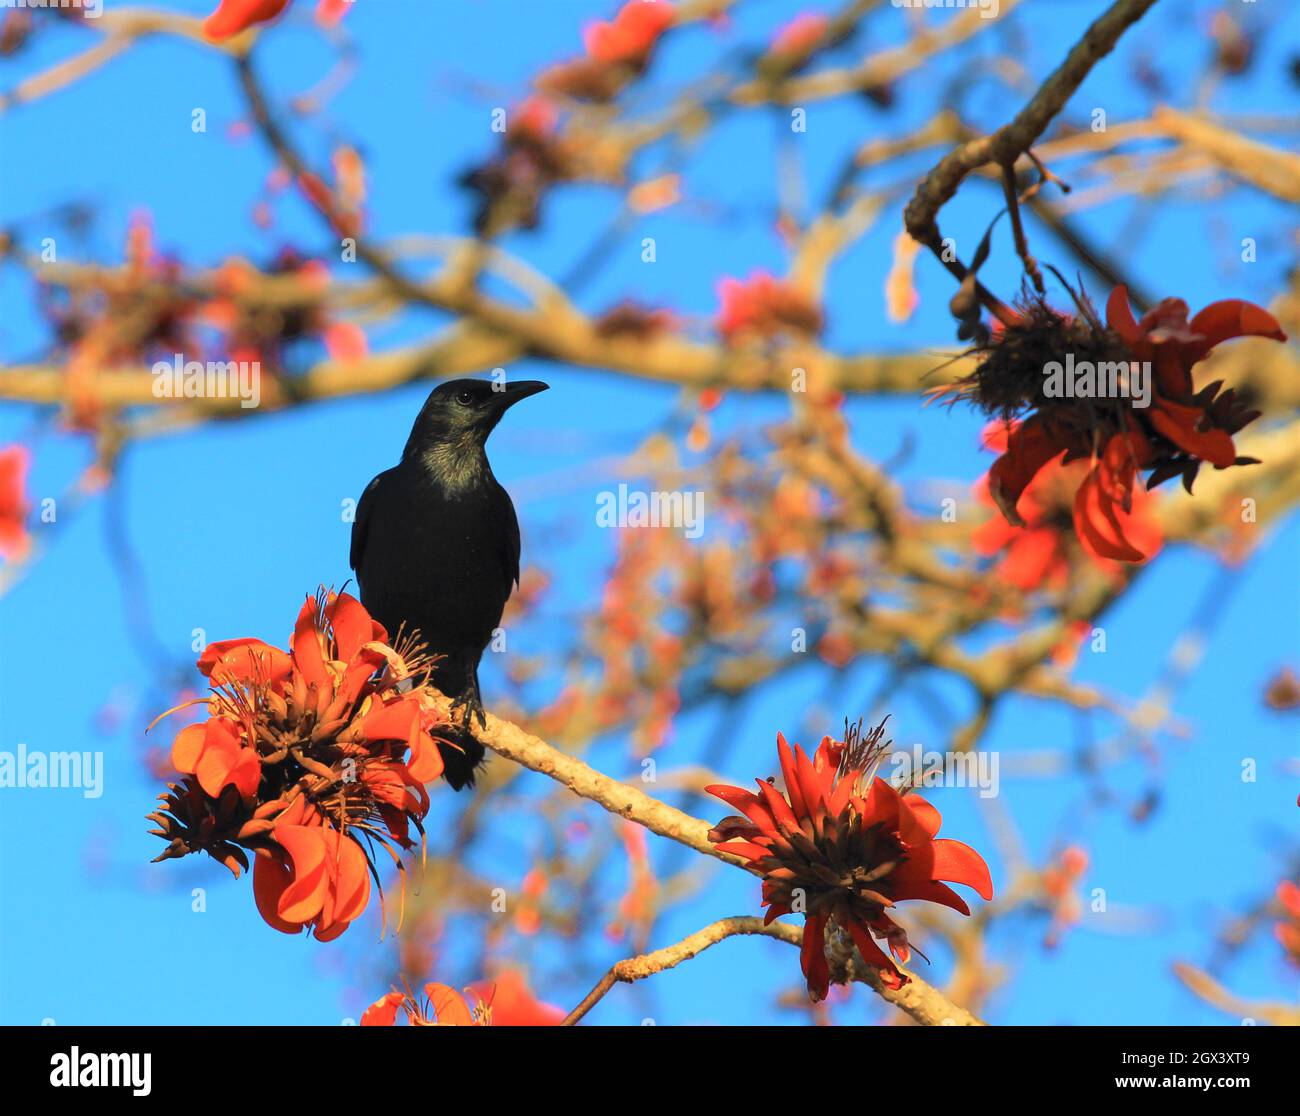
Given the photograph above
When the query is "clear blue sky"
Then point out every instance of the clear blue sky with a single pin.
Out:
(231, 525)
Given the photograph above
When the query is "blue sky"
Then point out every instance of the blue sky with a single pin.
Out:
(231, 525)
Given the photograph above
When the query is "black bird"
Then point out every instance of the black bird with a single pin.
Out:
(435, 546)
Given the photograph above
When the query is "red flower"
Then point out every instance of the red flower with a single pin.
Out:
(534, 118)
(14, 463)
(763, 305)
(1060, 880)
(1179, 431)
(330, 12)
(842, 846)
(1287, 929)
(801, 34)
(632, 35)
(234, 16)
(308, 759)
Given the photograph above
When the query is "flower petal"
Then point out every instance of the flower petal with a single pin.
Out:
(778, 805)
(929, 818)
(224, 760)
(188, 747)
(353, 626)
(1178, 422)
(426, 762)
(304, 897)
(1029, 447)
(747, 849)
(308, 654)
(1119, 316)
(748, 804)
(351, 881)
(270, 877)
(244, 660)
(449, 1008)
(789, 773)
(812, 957)
(956, 862)
(925, 890)
(393, 720)
(234, 16)
(874, 956)
(383, 1012)
(1234, 317)
(1098, 526)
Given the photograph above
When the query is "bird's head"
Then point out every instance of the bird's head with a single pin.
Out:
(460, 414)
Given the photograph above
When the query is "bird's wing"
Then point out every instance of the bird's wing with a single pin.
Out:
(361, 522)
(510, 542)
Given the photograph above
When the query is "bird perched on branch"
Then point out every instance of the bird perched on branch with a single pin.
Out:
(435, 546)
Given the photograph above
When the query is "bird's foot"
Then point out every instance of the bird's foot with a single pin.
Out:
(469, 706)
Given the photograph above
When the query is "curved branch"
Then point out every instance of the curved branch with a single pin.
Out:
(638, 968)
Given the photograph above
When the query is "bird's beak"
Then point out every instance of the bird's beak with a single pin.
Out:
(520, 389)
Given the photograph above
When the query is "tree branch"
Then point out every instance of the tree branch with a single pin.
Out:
(1009, 142)
(638, 968)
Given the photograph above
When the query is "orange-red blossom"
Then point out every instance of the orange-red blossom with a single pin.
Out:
(14, 463)
(1181, 429)
(309, 759)
(762, 306)
(631, 35)
(842, 847)
(1287, 928)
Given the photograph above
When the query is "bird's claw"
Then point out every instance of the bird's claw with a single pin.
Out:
(469, 706)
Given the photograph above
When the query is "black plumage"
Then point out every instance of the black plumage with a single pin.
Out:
(435, 546)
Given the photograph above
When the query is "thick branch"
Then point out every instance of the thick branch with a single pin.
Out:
(626, 801)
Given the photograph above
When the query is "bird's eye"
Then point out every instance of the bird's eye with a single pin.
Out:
(464, 398)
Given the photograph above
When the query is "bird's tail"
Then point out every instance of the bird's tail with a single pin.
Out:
(461, 755)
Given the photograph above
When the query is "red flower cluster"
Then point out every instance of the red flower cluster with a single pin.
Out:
(249, 333)
(841, 846)
(511, 184)
(14, 463)
(617, 52)
(632, 35)
(764, 306)
(308, 759)
(1180, 430)
(801, 34)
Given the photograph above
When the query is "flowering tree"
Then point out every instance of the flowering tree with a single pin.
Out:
(312, 763)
